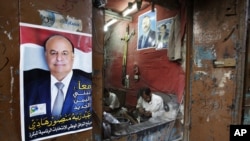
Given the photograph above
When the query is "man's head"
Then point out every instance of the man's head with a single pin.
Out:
(146, 94)
(59, 53)
(146, 24)
(106, 93)
(163, 28)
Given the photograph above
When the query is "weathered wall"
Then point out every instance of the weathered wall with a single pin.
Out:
(13, 12)
(98, 76)
(219, 33)
(246, 98)
(9, 77)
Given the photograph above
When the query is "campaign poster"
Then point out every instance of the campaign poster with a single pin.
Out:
(163, 33)
(147, 30)
(43, 61)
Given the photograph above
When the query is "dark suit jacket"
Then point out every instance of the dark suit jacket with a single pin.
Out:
(149, 42)
(164, 41)
(77, 101)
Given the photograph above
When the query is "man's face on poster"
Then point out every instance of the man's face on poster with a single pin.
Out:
(59, 56)
(163, 29)
(146, 24)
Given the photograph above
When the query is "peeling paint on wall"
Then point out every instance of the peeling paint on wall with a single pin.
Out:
(8, 34)
(97, 137)
(11, 84)
(199, 75)
(224, 79)
(208, 36)
(219, 92)
(204, 53)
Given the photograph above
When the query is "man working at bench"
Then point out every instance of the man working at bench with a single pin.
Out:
(149, 104)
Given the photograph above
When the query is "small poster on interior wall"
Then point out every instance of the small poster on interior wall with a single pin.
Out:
(163, 33)
(55, 82)
(56, 20)
(147, 30)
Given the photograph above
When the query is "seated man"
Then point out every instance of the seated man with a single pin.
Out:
(149, 104)
(111, 102)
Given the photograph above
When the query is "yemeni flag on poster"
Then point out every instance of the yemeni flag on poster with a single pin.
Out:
(49, 55)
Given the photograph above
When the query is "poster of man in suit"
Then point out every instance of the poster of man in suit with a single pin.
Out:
(163, 33)
(147, 30)
(55, 82)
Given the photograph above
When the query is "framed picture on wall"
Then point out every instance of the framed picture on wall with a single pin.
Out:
(163, 33)
(147, 30)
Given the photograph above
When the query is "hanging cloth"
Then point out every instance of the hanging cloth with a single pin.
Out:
(174, 50)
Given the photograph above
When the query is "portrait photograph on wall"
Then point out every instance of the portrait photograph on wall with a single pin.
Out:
(163, 33)
(147, 30)
(55, 82)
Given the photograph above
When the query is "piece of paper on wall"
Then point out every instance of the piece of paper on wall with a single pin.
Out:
(56, 20)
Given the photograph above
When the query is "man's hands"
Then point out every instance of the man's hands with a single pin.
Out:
(141, 110)
(107, 109)
(145, 113)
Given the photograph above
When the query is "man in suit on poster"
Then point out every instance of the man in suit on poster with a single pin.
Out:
(44, 100)
(162, 37)
(147, 39)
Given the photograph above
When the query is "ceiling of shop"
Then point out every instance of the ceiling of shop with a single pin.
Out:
(121, 5)
(118, 6)
(114, 8)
